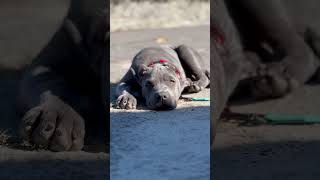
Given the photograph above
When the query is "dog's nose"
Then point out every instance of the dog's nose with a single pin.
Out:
(164, 101)
(162, 96)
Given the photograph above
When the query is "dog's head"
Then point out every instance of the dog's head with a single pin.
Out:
(161, 85)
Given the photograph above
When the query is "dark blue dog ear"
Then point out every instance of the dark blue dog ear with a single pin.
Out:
(143, 69)
(141, 72)
(134, 74)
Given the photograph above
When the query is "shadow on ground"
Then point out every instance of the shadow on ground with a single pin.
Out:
(54, 169)
(160, 145)
(8, 92)
(294, 160)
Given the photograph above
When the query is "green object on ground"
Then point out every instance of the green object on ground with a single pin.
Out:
(195, 99)
(276, 118)
(200, 99)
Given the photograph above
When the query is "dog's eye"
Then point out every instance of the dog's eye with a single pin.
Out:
(165, 65)
(149, 84)
(172, 80)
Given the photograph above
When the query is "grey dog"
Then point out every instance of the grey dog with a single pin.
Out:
(160, 75)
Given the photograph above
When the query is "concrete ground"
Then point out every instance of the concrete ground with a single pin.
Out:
(250, 152)
(270, 151)
(259, 152)
(159, 145)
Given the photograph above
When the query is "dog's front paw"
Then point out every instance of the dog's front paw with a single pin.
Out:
(273, 80)
(126, 101)
(54, 124)
(192, 87)
(197, 86)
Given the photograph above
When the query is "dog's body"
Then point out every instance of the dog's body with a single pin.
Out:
(64, 88)
(257, 42)
(160, 75)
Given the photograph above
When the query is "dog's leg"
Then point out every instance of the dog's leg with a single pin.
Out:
(191, 62)
(218, 93)
(312, 37)
(60, 93)
(52, 110)
(124, 91)
(297, 66)
(228, 60)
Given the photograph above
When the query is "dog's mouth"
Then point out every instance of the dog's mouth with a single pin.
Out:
(161, 104)
(165, 108)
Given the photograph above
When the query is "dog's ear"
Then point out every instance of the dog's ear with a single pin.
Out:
(133, 72)
(143, 69)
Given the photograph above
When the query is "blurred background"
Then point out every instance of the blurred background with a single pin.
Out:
(151, 14)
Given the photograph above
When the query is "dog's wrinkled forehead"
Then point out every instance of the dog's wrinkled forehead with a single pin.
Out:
(160, 71)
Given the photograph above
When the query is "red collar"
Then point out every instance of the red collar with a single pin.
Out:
(217, 35)
(163, 61)
(220, 38)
